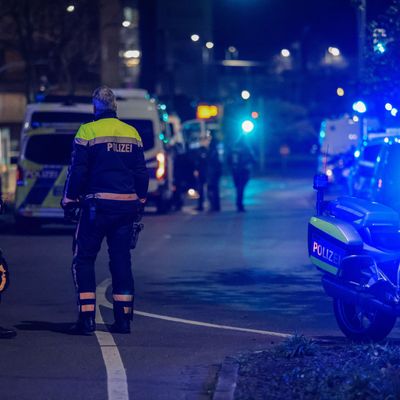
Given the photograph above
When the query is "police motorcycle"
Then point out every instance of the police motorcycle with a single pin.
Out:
(355, 243)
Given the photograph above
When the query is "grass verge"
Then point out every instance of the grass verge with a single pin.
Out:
(301, 368)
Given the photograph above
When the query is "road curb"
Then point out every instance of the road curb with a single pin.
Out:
(226, 383)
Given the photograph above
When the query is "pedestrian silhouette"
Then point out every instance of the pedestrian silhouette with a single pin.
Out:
(241, 161)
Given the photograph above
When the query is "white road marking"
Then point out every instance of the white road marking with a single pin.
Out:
(117, 383)
(104, 302)
(208, 325)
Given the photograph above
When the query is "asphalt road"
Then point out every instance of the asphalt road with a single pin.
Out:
(208, 286)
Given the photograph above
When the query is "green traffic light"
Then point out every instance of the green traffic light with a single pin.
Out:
(247, 126)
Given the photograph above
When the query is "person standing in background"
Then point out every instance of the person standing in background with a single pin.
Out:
(241, 161)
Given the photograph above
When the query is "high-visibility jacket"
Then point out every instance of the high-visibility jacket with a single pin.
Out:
(107, 159)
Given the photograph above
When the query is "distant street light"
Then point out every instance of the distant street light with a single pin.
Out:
(360, 107)
(340, 92)
(71, 8)
(126, 24)
(334, 51)
(247, 126)
(388, 107)
(209, 45)
(195, 37)
(245, 94)
(285, 53)
(394, 112)
(132, 54)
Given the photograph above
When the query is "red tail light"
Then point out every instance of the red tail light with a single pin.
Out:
(161, 166)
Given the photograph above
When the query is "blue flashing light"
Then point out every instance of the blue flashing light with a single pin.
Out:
(357, 153)
(161, 136)
(365, 143)
(386, 140)
(360, 107)
(388, 107)
(394, 111)
(322, 134)
(378, 159)
(247, 126)
(380, 48)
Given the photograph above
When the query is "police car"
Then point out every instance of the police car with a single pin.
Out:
(46, 143)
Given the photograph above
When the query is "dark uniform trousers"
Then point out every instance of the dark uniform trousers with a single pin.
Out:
(117, 228)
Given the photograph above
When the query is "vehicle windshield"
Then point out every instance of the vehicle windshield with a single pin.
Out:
(59, 119)
(70, 122)
(145, 129)
(49, 149)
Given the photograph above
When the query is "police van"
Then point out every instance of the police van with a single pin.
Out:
(46, 143)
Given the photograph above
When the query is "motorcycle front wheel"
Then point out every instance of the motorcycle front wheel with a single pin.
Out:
(361, 325)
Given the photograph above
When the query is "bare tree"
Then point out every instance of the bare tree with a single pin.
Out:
(52, 41)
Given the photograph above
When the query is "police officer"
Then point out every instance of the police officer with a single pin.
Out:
(214, 172)
(241, 160)
(108, 172)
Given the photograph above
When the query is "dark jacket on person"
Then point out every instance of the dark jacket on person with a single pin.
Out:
(107, 157)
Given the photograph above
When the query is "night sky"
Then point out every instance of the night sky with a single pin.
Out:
(260, 28)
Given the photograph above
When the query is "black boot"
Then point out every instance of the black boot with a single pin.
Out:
(122, 323)
(7, 333)
(85, 325)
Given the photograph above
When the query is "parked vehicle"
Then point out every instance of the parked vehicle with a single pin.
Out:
(355, 244)
(46, 143)
(361, 176)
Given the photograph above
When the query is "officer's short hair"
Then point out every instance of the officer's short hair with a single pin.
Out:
(104, 99)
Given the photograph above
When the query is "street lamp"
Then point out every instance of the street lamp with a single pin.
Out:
(247, 126)
(334, 51)
(360, 107)
(195, 37)
(71, 8)
(388, 107)
(340, 92)
(245, 94)
(285, 53)
(209, 45)
(132, 54)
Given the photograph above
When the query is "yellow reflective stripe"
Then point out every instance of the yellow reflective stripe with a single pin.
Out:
(87, 295)
(107, 127)
(325, 266)
(53, 198)
(81, 134)
(87, 307)
(113, 196)
(113, 139)
(122, 297)
(329, 229)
